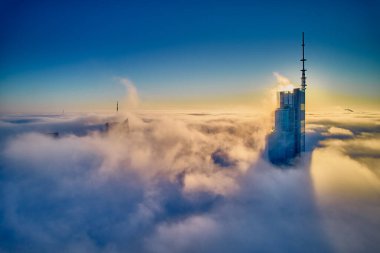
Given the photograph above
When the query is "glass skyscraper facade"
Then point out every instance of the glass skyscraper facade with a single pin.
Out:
(287, 139)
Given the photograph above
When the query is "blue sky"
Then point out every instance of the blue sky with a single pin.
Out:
(70, 54)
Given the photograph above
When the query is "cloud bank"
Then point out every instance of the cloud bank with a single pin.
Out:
(182, 182)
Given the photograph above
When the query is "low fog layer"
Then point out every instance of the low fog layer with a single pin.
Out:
(182, 182)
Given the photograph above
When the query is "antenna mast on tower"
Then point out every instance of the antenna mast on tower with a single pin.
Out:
(303, 78)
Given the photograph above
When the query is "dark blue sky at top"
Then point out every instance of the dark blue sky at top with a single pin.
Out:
(63, 47)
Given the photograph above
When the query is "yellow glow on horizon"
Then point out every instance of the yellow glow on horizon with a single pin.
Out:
(260, 100)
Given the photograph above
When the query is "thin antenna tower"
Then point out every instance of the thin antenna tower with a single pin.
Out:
(303, 78)
(117, 106)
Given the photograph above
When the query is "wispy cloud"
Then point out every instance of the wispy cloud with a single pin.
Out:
(283, 83)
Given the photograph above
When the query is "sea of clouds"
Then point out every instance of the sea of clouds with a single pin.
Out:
(186, 182)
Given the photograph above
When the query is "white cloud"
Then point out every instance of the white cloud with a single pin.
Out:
(281, 79)
(132, 100)
(283, 83)
(339, 131)
(157, 188)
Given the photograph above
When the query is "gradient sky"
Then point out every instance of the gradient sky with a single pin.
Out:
(70, 55)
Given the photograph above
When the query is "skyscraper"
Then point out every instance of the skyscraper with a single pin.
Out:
(288, 137)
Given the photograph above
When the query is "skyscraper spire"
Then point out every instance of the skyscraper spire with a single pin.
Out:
(287, 140)
(303, 78)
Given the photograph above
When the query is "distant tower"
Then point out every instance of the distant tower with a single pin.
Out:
(288, 137)
(117, 106)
